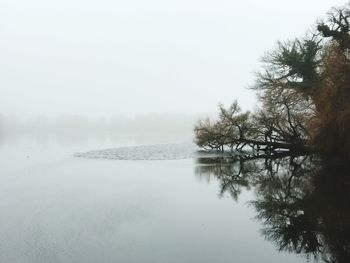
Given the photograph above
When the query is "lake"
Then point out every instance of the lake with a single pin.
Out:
(63, 202)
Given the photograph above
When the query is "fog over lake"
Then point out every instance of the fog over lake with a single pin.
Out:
(98, 104)
(102, 58)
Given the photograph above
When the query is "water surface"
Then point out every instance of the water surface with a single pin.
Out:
(57, 207)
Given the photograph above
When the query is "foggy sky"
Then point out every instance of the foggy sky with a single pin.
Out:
(107, 57)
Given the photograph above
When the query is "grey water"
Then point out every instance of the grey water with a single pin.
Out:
(102, 202)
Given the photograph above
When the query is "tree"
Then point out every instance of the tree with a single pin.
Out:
(304, 93)
(293, 65)
(337, 26)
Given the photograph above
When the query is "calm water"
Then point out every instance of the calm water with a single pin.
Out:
(58, 205)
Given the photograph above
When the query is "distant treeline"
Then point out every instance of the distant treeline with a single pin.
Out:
(157, 127)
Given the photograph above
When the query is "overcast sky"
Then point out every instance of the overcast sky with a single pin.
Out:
(132, 57)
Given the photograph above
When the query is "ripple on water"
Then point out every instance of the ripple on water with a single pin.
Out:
(147, 152)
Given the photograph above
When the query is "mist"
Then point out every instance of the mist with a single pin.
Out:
(98, 59)
(79, 129)
(130, 132)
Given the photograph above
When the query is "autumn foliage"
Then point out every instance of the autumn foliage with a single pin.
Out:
(304, 93)
(331, 127)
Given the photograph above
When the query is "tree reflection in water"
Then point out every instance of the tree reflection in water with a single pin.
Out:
(303, 203)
